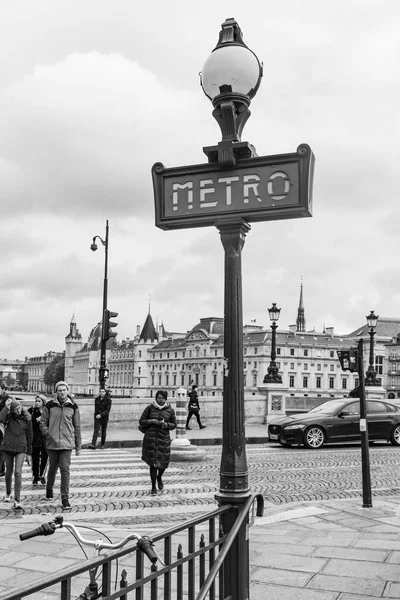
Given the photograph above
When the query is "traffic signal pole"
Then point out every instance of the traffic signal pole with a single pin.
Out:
(365, 464)
(103, 346)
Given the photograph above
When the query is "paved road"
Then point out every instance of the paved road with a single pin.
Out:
(113, 485)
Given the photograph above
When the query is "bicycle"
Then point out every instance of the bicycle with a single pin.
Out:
(144, 543)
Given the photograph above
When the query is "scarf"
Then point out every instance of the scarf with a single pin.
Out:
(156, 405)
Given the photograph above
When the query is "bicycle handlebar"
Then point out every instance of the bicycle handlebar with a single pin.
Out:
(45, 529)
(144, 544)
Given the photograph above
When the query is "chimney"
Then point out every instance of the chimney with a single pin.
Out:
(329, 331)
(137, 329)
(292, 328)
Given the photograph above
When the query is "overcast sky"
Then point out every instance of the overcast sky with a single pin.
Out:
(93, 92)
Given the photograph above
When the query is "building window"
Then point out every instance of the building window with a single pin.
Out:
(152, 380)
(254, 380)
(159, 380)
(332, 367)
(331, 383)
(140, 354)
(291, 351)
(139, 370)
(305, 382)
(291, 381)
(344, 383)
(182, 379)
(205, 351)
(319, 367)
(318, 382)
(305, 352)
(204, 379)
(255, 350)
(244, 351)
(176, 355)
(379, 365)
(215, 381)
(197, 379)
(255, 364)
(138, 382)
(292, 366)
(331, 353)
(174, 380)
(278, 350)
(160, 355)
(216, 352)
(356, 382)
(306, 366)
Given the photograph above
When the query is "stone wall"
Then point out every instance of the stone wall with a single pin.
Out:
(126, 412)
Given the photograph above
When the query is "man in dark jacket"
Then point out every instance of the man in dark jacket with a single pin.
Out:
(102, 407)
(194, 408)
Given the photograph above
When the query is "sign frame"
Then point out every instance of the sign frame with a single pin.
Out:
(303, 159)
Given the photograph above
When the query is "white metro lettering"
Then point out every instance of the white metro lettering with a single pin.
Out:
(178, 186)
(235, 191)
(250, 186)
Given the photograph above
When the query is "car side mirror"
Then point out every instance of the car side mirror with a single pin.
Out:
(343, 413)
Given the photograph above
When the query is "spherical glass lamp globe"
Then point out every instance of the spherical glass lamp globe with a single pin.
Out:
(231, 69)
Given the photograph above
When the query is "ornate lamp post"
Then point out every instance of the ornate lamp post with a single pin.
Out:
(273, 375)
(370, 376)
(230, 78)
(103, 372)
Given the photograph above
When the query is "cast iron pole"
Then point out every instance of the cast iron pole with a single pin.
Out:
(234, 487)
(103, 346)
(365, 465)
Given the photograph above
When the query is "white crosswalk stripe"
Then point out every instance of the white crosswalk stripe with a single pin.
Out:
(113, 486)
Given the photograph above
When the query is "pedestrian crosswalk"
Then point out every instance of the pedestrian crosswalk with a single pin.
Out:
(113, 486)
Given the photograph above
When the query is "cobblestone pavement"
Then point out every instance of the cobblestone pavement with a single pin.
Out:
(113, 485)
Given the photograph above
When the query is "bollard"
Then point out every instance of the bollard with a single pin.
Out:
(181, 415)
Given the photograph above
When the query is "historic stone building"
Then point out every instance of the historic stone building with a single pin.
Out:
(154, 358)
(36, 367)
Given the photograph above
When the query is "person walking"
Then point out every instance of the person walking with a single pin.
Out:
(3, 398)
(102, 407)
(194, 408)
(158, 419)
(39, 453)
(16, 446)
(60, 425)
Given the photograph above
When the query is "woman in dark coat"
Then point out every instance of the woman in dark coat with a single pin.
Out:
(16, 445)
(158, 419)
(39, 454)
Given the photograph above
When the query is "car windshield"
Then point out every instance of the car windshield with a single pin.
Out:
(329, 407)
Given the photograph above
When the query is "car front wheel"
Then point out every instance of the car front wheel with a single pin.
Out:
(395, 437)
(314, 437)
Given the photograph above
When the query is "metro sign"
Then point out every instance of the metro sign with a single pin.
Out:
(261, 188)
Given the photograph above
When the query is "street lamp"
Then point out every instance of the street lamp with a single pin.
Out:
(370, 376)
(273, 375)
(103, 372)
(230, 78)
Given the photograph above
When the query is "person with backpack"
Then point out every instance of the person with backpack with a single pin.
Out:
(60, 425)
(194, 408)
(16, 445)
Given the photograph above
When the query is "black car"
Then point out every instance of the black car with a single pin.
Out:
(337, 421)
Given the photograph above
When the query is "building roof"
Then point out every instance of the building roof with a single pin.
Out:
(211, 326)
(148, 333)
(386, 327)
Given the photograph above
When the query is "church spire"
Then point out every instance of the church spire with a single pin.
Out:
(301, 320)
